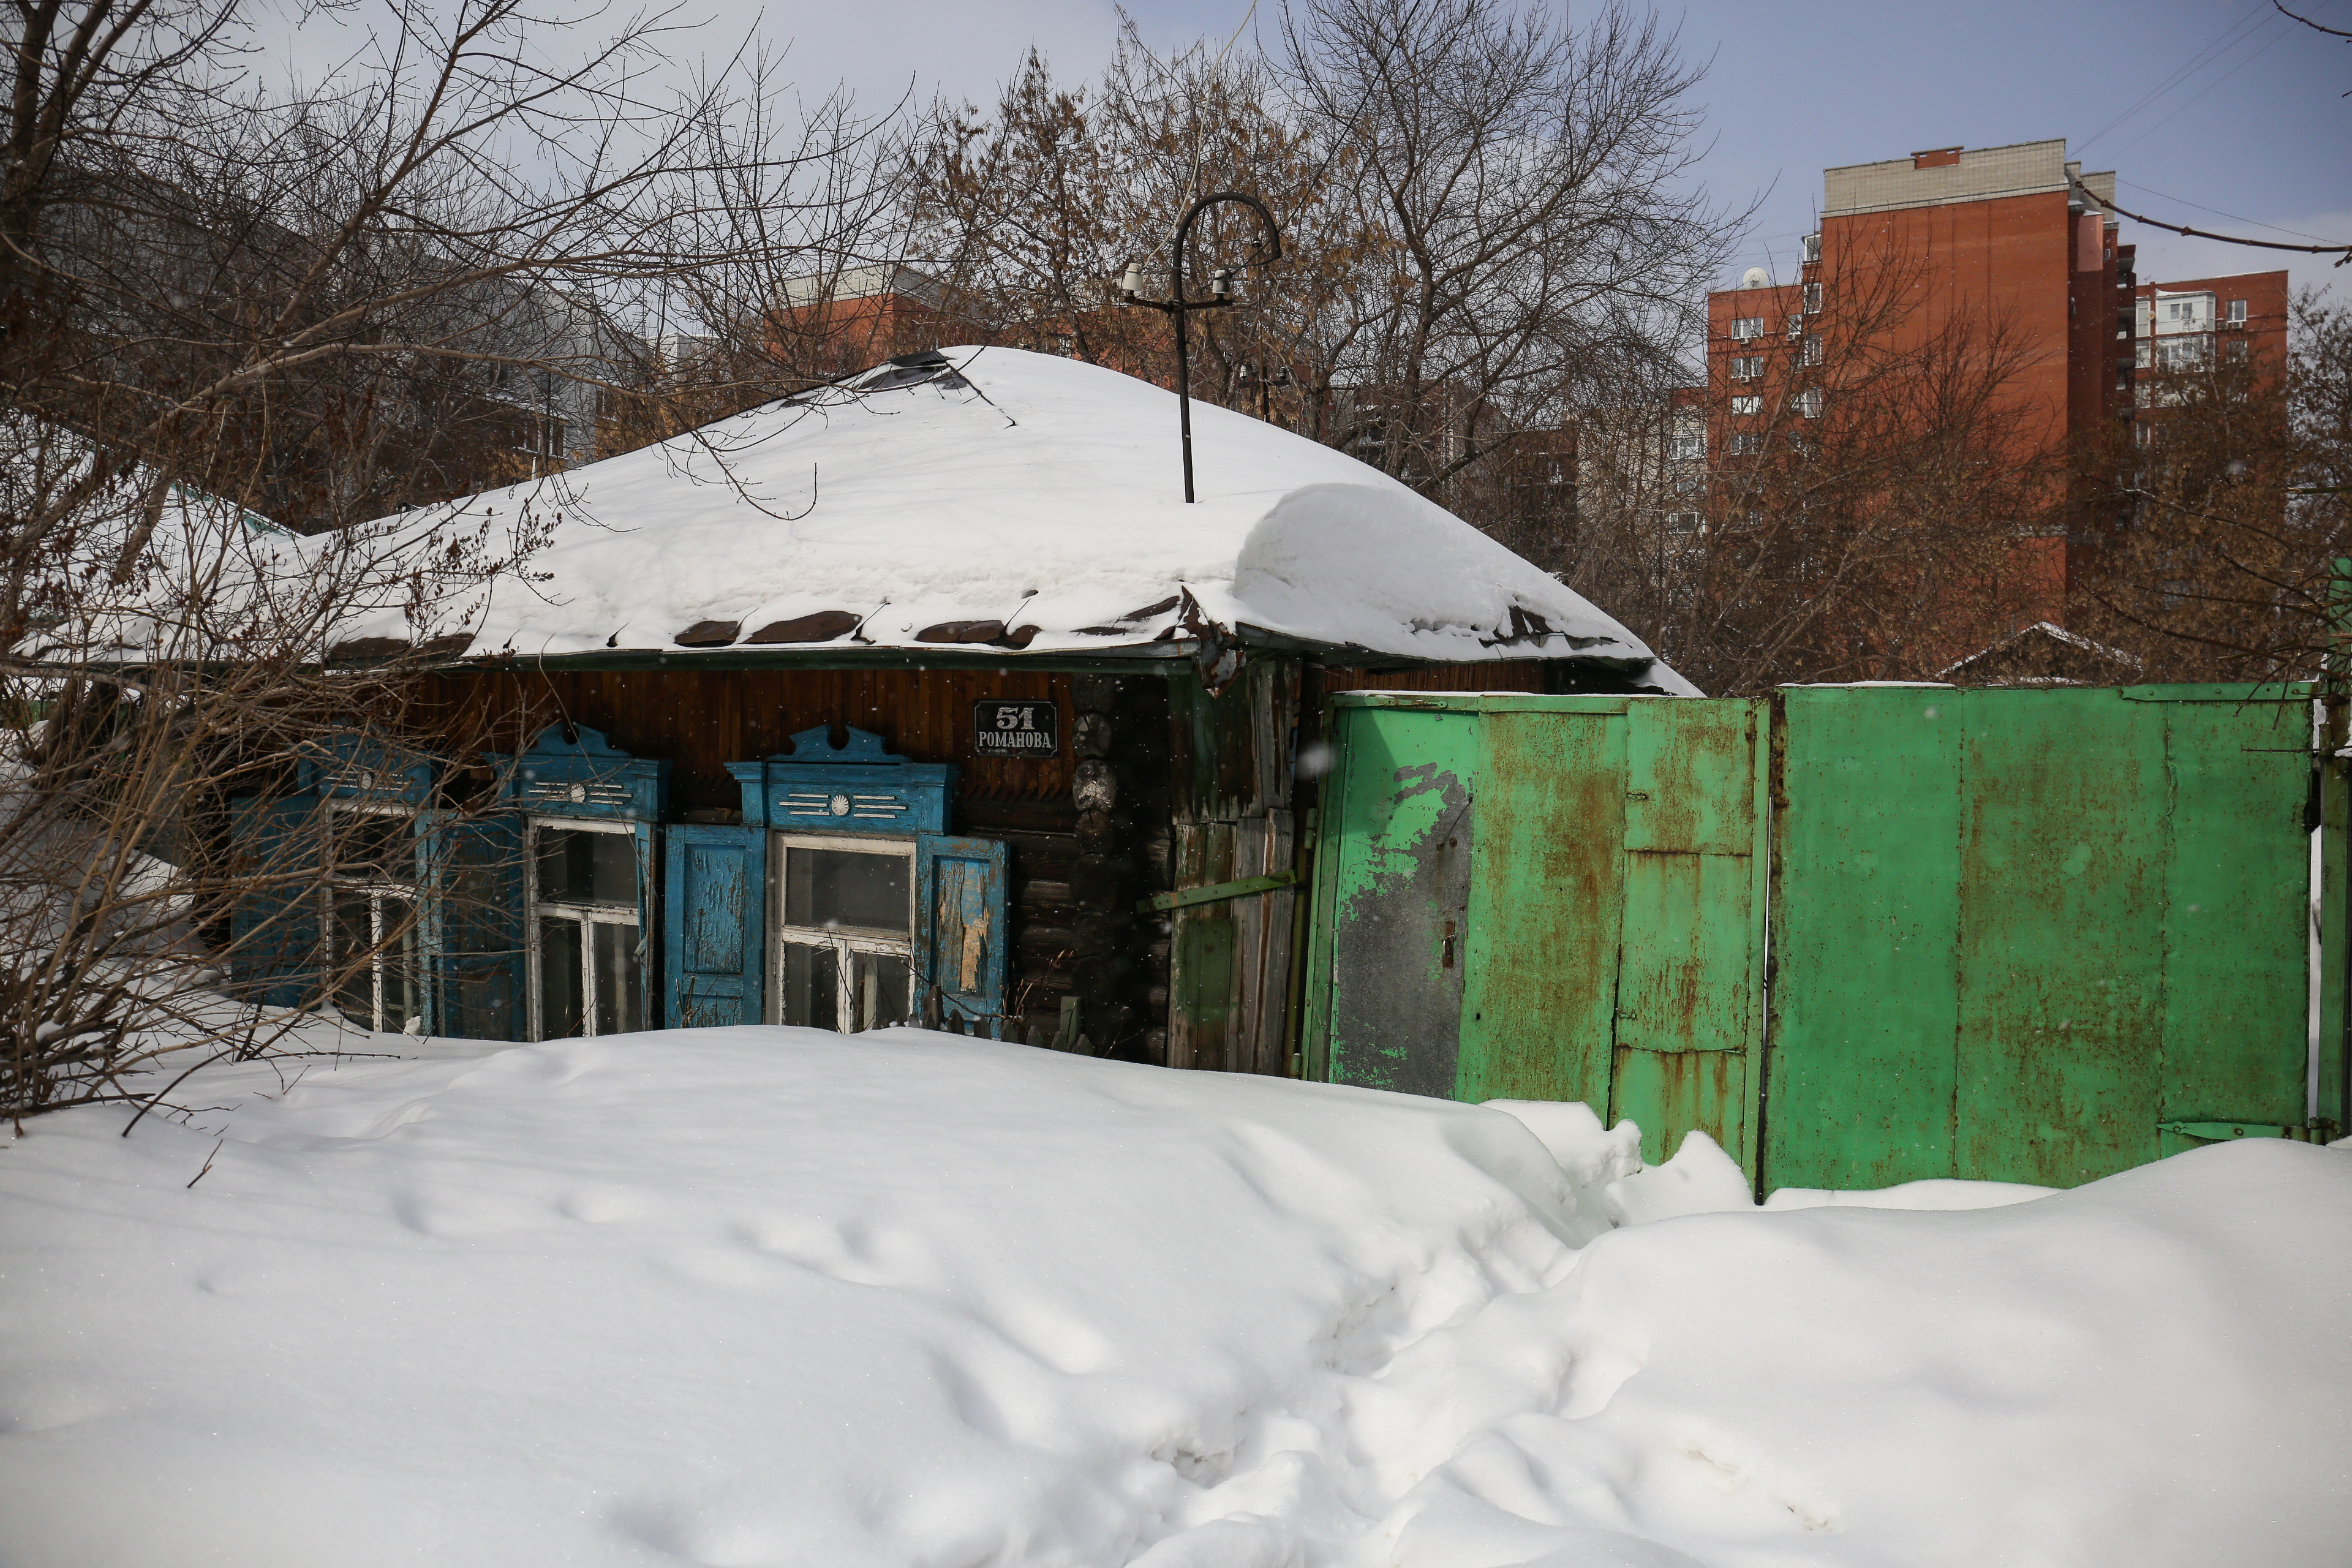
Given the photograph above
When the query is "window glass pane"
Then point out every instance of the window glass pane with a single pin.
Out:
(369, 847)
(620, 1002)
(811, 978)
(841, 889)
(355, 975)
(579, 867)
(561, 992)
(612, 878)
(879, 984)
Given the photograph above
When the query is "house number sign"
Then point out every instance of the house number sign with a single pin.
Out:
(1025, 728)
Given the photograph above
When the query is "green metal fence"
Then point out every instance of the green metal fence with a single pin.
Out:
(1859, 935)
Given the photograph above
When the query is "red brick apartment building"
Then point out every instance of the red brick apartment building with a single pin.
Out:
(853, 317)
(834, 323)
(2010, 243)
(2184, 325)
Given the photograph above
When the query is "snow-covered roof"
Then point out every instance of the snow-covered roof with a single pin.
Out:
(1011, 503)
(2059, 640)
(139, 567)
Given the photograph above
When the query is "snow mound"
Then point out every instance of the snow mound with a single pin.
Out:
(769, 1296)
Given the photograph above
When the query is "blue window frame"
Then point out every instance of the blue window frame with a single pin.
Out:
(345, 906)
(589, 834)
(841, 902)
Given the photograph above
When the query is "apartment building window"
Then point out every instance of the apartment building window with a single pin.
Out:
(1687, 448)
(2139, 356)
(1747, 328)
(1796, 325)
(1746, 367)
(2234, 351)
(1813, 243)
(1745, 444)
(2237, 313)
(1808, 403)
(1684, 521)
(1809, 353)
(1812, 298)
(1747, 406)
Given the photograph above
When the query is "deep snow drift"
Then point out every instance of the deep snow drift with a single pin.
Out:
(763, 1296)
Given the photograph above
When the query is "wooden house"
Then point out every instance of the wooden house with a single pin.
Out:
(927, 698)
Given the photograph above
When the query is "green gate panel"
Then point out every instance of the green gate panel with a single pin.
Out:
(2016, 931)
(1865, 938)
(1682, 983)
(2063, 849)
(1690, 968)
(2025, 935)
(1402, 833)
(1670, 1094)
(1546, 897)
(1690, 774)
(2331, 1075)
(2235, 908)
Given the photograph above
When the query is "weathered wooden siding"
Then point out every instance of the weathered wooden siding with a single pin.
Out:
(701, 719)
(1189, 789)
(1502, 675)
(1231, 773)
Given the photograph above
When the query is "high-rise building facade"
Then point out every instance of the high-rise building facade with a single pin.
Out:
(2204, 321)
(2005, 262)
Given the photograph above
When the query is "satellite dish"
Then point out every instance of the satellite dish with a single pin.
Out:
(1755, 278)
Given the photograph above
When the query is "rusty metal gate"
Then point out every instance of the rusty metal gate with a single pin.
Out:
(1546, 898)
(2024, 935)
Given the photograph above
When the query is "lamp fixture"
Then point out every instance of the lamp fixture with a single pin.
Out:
(1220, 292)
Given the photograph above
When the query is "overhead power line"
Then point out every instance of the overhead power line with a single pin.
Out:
(2343, 253)
(2217, 212)
(2231, 36)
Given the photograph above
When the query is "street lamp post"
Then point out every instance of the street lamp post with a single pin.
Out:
(1220, 292)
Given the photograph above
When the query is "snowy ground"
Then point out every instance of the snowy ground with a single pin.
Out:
(760, 1296)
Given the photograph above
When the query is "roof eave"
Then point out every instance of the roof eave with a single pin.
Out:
(1111, 659)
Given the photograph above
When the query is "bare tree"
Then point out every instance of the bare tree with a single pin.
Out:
(1028, 215)
(1861, 493)
(1534, 248)
(245, 327)
(171, 707)
(2233, 490)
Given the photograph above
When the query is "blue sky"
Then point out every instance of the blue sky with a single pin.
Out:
(2222, 103)
(2204, 107)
